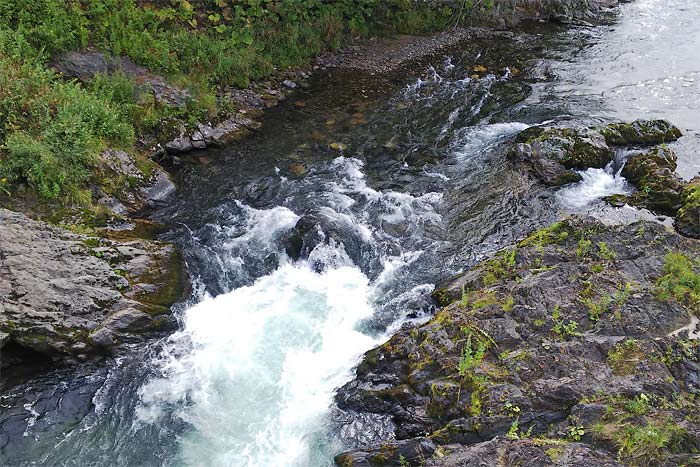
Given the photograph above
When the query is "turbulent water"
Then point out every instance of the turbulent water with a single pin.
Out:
(423, 191)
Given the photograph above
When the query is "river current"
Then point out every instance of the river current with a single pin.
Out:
(423, 190)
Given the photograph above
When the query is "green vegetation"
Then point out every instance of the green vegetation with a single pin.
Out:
(680, 281)
(604, 252)
(642, 433)
(52, 132)
(597, 308)
(582, 248)
(471, 357)
(563, 329)
(575, 432)
(554, 234)
(501, 267)
(623, 358)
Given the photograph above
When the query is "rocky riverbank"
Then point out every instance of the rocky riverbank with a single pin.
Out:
(574, 347)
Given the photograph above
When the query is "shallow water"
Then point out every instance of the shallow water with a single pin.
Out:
(423, 191)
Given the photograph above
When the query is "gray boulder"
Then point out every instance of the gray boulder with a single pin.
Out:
(63, 293)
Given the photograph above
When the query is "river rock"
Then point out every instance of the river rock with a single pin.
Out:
(640, 132)
(206, 135)
(63, 293)
(653, 173)
(553, 353)
(326, 227)
(552, 153)
(688, 220)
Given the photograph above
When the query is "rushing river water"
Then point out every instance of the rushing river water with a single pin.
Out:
(422, 191)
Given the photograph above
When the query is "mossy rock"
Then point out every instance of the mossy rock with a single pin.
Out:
(688, 220)
(654, 174)
(640, 132)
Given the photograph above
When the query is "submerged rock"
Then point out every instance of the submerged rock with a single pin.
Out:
(326, 227)
(63, 293)
(557, 351)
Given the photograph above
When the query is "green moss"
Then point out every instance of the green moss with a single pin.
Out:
(172, 285)
(501, 267)
(624, 357)
(556, 233)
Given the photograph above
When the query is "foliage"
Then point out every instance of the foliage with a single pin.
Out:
(563, 329)
(680, 280)
(575, 432)
(51, 132)
(471, 357)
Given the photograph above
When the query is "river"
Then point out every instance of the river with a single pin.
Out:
(422, 190)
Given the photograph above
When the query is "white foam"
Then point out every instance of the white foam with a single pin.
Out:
(596, 184)
(254, 370)
(477, 139)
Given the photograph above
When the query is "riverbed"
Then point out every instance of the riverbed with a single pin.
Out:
(405, 182)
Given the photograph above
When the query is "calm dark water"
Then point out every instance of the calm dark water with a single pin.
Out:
(422, 191)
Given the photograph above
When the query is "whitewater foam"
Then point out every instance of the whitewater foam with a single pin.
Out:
(254, 370)
(595, 184)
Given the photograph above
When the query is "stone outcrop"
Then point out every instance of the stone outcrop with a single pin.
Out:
(63, 293)
(571, 348)
(554, 154)
(207, 135)
(86, 65)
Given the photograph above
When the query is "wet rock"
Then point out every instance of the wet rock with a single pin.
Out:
(289, 84)
(297, 169)
(552, 153)
(328, 227)
(338, 146)
(563, 332)
(67, 294)
(159, 189)
(412, 452)
(179, 145)
(688, 220)
(640, 132)
(653, 172)
(206, 135)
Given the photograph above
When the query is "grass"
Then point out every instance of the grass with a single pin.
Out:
(642, 434)
(680, 280)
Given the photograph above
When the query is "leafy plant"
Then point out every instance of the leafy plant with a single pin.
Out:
(575, 432)
(563, 329)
